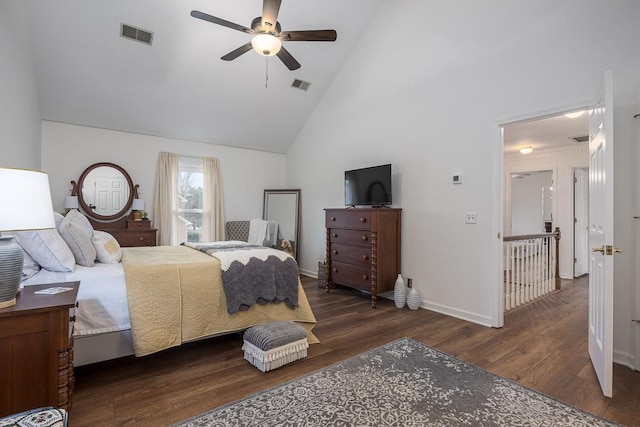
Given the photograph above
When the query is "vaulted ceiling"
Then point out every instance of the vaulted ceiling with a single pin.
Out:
(178, 87)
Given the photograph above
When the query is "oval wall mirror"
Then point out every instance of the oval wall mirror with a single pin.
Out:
(105, 191)
(283, 206)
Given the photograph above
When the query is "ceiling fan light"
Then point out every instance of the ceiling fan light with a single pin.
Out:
(266, 44)
(526, 150)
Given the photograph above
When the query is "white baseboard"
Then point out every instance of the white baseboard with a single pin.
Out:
(460, 314)
(309, 273)
(625, 359)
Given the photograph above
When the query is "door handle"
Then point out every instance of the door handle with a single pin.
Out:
(608, 250)
(611, 250)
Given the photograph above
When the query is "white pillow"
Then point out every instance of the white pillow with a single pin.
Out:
(29, 267)
(76, 230)
(107, 247)
(47, 248)
(58, 218)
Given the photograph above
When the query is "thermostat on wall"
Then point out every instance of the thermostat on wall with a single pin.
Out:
(456, 179)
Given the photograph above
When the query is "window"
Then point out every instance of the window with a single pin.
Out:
(190, 182)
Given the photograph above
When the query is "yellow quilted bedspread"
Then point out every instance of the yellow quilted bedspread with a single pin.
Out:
(175, 295)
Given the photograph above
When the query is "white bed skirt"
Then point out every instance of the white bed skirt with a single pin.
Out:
(98, 348)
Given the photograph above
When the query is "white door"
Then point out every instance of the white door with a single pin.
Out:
(601, 236)
(580, 222)
(110, 195)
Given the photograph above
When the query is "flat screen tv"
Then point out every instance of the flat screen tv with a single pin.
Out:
(368, 186)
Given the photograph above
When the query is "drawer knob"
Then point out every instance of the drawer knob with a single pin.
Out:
(364, 238)
(335, 270)
(141, 238)
(363, 219)
(334, 234)
(365, 277)
(333, 218)
(335, 252)
(365, 257)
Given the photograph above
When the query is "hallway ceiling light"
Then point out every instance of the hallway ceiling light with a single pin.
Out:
(526, 150)
(574, 114)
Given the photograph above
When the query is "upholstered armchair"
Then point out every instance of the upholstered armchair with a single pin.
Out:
(239, 230)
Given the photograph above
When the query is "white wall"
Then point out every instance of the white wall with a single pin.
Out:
(19, 109)
(68, 149)
(428, 94)
(527, 204)
(561, 161)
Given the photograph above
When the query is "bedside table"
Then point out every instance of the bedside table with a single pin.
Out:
(36, 350)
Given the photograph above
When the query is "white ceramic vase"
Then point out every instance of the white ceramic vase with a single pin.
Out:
(400, 292)
(413, 299)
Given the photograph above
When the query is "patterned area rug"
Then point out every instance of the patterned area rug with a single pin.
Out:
(403, 383)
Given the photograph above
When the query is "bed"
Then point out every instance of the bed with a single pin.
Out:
(107, 308)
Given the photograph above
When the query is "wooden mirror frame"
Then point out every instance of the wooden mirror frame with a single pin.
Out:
(77, 191)
(296, 225)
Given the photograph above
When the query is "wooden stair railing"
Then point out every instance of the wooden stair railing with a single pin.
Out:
(531, 267)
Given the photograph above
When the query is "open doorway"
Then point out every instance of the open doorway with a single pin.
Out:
(540, 160)
(580, 221)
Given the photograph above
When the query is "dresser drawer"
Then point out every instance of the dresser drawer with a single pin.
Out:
(128, 238)
(358, 277)
(359, 220)
(137, 225)
(351, 237)
(356, 255)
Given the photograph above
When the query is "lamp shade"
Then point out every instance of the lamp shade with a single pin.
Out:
(266, 44)
(25, 204)
(70, 202)
(25, 200)
(137, 205)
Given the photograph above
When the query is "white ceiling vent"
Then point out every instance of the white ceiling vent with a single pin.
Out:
(300, 84)
(137, 34)
(580, 139)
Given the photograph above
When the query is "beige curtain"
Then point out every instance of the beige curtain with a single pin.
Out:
(212, 201)
(166, 203)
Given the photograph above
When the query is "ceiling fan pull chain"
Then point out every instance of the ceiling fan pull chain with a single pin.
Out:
(266, 76)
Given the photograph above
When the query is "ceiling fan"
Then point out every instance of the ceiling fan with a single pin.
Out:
(267, 34)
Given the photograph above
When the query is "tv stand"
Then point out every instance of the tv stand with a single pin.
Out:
(363, 248)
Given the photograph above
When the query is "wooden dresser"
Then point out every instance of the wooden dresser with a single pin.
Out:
(363, 248)
(36, 350)
(136, 233)
(129, 232)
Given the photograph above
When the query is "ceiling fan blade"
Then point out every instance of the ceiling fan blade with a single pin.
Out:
(288, 60)
(270, 9)
(309, 36)
(239, 51)
(220, 21)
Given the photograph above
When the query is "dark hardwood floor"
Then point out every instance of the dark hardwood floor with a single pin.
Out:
(542, 346)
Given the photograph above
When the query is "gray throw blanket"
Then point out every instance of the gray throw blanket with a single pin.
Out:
(253, 274)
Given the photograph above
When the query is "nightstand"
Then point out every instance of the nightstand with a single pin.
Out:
(36, 350)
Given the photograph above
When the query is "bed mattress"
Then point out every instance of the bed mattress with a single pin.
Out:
(102, 297)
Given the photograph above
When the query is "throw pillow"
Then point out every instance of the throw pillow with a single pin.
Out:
(77, 231)
(107, 247)
(29, 267)
(40, 417)
(47, 248)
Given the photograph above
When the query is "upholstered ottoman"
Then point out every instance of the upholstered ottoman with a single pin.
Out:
(40, 417)
(274, 344)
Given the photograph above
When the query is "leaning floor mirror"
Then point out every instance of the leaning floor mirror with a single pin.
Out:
(283, 207)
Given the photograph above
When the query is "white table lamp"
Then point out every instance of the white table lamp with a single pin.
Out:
(70, 202)
(25, 204)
